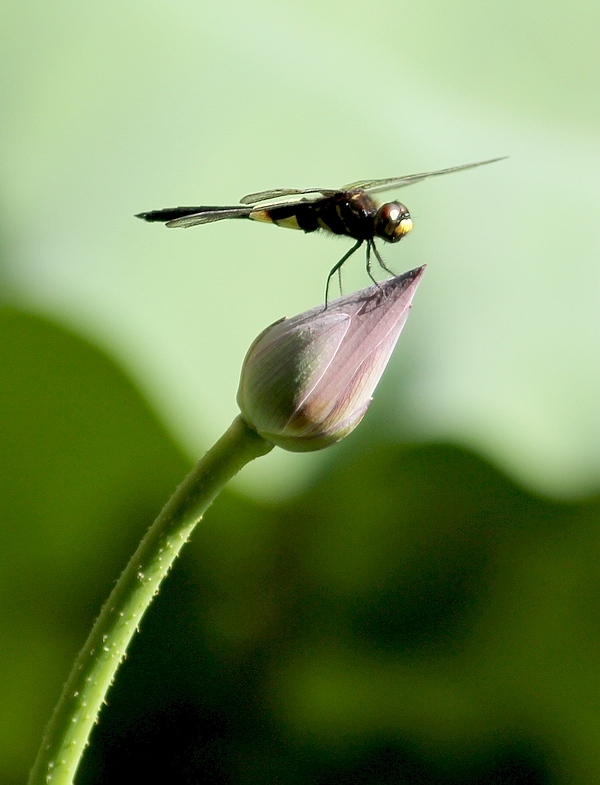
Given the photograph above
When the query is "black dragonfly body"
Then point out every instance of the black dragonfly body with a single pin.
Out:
(349, 211)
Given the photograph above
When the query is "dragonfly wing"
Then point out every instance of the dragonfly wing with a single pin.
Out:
(397, 182)
(277, 193)
(208, 216)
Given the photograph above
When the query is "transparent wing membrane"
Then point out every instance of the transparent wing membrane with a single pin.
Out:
(208, 216)
(277, 193)
(397, 182)
(367, 185)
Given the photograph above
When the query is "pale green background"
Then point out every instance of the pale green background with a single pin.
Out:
(111, 108)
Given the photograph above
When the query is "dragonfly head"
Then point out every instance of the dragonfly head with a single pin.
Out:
(392, 222)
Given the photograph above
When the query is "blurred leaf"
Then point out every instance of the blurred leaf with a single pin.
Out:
(414, 616)
(85, 467)
(109, 109)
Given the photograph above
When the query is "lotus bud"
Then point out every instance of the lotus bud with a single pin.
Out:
(307, 381)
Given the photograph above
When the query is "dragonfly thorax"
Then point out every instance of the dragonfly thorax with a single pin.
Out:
(392, 222)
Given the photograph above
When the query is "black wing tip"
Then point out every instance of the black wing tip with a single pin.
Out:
(152, 215)
(167, 214)
(494, 160)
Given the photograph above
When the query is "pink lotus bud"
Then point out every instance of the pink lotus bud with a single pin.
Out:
(307, 381)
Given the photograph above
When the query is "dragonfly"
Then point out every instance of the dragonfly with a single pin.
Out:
(349, 211)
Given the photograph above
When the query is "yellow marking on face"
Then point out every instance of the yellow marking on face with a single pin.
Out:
(403, 227)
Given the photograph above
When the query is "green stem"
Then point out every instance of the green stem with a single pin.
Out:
(94, 670)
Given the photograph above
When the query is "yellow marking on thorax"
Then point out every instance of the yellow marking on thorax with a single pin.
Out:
(263, 215)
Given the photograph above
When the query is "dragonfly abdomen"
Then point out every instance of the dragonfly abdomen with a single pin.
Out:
(174, 213)
(351, 217)
(298, 215)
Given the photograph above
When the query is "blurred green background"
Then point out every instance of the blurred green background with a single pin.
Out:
(419, 604)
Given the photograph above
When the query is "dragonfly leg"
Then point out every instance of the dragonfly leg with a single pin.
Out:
(369, 273)
(337, 268)
(379, 259)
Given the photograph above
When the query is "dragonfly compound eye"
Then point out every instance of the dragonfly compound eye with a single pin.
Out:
(392, 222)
